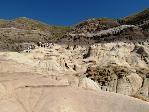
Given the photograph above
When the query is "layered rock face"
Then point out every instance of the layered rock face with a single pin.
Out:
(21, 33)
(115, 67)
(26, 85)
(99, 66)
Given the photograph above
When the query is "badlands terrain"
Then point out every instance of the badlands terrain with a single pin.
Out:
(98, 65)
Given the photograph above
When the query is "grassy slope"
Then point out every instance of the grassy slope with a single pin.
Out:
(144, 15)
(55, 32)
(102, 21)
(12, 40)
(29, 24)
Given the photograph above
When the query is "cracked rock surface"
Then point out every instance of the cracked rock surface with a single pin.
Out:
(47, 79)
(99, 66)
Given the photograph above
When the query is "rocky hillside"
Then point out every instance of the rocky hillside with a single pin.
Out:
(96, 62)
(18, 34)
(136, 19)
(140, 19)
(115, 53)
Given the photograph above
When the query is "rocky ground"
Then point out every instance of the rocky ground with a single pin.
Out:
(99, 65)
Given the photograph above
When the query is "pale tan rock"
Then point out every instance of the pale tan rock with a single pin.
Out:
(89, 84)
(145, 89)
(56, 60)
(136, 82)
(61, 99)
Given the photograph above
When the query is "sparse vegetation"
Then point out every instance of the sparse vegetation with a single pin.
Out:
(29, 24)
(27, 31)
(97, 24)
(60, 31)
(96, 19)
(46, 33)
(134, 19)
(105, 74)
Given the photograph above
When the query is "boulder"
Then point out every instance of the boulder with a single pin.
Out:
(89, 84)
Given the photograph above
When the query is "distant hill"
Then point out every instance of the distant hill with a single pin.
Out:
(96, 24)
(14, 33)
(136, 18)
(30, 24)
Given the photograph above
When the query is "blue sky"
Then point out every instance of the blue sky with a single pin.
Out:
(69, 12)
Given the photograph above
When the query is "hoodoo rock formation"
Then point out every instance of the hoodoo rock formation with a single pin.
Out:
(99, 65)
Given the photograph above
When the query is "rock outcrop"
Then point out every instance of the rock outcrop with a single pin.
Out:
(63, 99)
(114, 67)
(99, 65)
